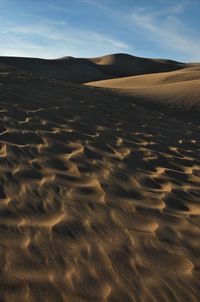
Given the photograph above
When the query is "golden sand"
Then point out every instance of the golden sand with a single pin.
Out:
(99, 196)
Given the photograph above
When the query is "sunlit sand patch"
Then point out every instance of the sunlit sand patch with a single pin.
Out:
(42, 220)
(134, 221)
(99, 197)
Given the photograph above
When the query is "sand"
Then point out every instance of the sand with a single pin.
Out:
(99, 195)
(82, 70)
(176, 90)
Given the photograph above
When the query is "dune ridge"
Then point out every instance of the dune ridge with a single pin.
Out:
(99, 196)
(82, 70)
(175, 90)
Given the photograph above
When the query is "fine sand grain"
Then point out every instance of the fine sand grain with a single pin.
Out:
(99, 196)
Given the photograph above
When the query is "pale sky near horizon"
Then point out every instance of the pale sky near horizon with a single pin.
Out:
(89, 28)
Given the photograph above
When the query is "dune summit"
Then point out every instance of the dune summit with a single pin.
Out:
(82, 70)
(100, 186)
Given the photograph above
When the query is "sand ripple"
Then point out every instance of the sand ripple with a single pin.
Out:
(95, 206)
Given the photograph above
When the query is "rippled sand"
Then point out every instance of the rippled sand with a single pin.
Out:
(99, 197)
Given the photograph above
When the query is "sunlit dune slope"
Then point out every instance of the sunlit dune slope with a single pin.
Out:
(176, 89)
(99, 196)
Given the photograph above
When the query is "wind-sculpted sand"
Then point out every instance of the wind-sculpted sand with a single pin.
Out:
(175, 90)
(99, 197)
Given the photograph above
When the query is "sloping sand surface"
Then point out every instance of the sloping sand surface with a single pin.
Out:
(176, 90)
(143, 81)
(99, 197)
(67, 68)
(127, 65)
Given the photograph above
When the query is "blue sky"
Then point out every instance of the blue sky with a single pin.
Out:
(89, 28)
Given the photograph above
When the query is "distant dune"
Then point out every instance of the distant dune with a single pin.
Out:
(82, 70)
(126, 65)
(68, 69)
(99, 186)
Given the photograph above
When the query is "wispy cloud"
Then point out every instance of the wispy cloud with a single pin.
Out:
(49, 31)
(163, 24)
(151, 13)
(166, 29)
(54, 33)
(92, 28)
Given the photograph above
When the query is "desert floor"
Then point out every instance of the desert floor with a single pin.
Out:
(99, 196)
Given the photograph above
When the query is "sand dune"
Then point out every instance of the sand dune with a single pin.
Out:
(175, 90)
(68, 68)
(82, 70)
(126, 65)
(142, 81)
(99, 196)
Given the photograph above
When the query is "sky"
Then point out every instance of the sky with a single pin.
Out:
(89, 28)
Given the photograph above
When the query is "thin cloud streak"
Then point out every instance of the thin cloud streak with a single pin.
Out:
(57, 33)
(148, 29)
(167, 33)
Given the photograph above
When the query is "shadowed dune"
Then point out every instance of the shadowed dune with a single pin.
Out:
(82, 70)
(68, 68)
(127, 65)
(99, 196)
